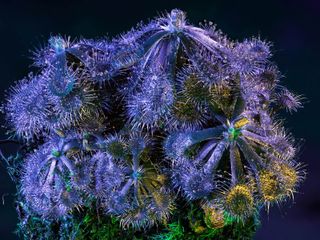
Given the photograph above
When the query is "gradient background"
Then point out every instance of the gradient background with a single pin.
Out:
(293, 27)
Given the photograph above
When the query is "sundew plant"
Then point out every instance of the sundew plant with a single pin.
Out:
(168, 131)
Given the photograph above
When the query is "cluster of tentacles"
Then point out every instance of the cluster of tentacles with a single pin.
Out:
(166, 106)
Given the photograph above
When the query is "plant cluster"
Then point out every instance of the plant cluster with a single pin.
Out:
(164, 117)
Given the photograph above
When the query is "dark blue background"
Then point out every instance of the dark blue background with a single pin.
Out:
(293, 27)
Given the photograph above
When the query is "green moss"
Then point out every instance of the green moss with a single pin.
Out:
(174, 231)
(90, 223)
